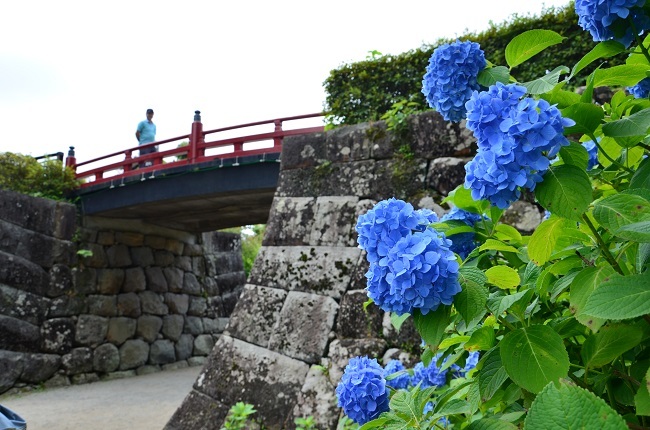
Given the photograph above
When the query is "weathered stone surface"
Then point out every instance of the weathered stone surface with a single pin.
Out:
(177, 303)
(228, 302)
(446, 173)
(66, 306)
(121, 374)
(303, 151)
(101, 305)
(523, 216)
(106, 238)
(433, 137)
(163, 258)
(109, 281)
(134, 280)
(133, 353)
(22, 274)
(60, 281)
(322, 269)
(58, 335)
(118, 256)
(293, 220)
(129, 238)
(192, 249)
(175, 366)
(350, 143)
(191, 285)
(106, 358)
(155, 242)
(210, 287)
(148, 327)
(398, 178)
(174, 278)
(148, 369)
(57, 381)
(156, 281)
(84, 280)
(238, 371)
(128, 305)
(203, 344)
(334, 221)
(341, 351)
(184, 347)
(142, 256)
(162, 352)
(407, 338)
(84, 378)
(38, 248)
(98, 257)
(229, 282)
(17, 335)
(173, 326)
(355, 321)
(183, 263)
(11, 366)
(197, 361)
(223, 263)
(91, 330)
(23, 305)
(317, 399)
(198, 412)
(256, 314)
(198, 266)
(304, 326)
(46, 216)
(79, 360)
(152, 303)
(119, 330)
(39, 367)
(193, 325)
(197, 306)
(408, 360)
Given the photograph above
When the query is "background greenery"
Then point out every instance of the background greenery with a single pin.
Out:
(364, 91)
(24, 174)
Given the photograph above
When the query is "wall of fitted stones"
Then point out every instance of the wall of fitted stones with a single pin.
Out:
(301, 317)
(143, 302)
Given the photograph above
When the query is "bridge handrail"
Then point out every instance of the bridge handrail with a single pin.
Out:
(194, 152)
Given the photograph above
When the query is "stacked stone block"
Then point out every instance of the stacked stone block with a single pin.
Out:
(140, 303)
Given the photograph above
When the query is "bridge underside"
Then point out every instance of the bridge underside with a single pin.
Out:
(210, 197)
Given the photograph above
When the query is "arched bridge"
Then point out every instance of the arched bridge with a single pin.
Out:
(193, 182)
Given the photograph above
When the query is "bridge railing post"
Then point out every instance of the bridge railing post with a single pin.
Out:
(71, 160)
(196, 138)
(277, 141)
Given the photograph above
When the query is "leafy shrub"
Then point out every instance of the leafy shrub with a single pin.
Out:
(26, 175)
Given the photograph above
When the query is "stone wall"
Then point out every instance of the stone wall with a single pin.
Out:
(147, 299)
(301, 315)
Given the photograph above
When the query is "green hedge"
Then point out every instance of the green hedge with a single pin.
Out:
(364, 91)
(24, 174)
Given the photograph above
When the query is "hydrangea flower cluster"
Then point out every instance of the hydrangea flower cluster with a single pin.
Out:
(470, 363)
(411, 265)
(640, 90)
(462, 243)
(606, 19)
(592, 150)
(517, 137)
(451, 78)
(430, 376)
(400, 382)
(362, 391)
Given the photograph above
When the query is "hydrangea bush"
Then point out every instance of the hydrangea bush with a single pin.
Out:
(547, 331)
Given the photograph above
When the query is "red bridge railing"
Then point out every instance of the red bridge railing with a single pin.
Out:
(188, 149)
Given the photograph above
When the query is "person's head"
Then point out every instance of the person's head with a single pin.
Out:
(149, 114)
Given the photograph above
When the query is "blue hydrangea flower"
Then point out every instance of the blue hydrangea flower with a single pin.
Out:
(592, 149)
(400, 382)
(516, 137)
(462, 243)
(451, 78)
(386, 223)
(419, 272)
(362, 391)
(607, 19)
(430, 376)
(640, 90)
(546, 216)
(470, 363)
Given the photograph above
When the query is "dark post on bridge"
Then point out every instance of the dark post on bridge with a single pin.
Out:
(196, 138)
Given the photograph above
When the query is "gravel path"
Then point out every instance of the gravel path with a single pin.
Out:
(141, 402)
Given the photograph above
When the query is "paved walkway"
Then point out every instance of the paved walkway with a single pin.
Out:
(141, 402)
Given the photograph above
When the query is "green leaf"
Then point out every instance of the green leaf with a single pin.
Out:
(508, 232)
(542, 242)
(402, 403)
(576, 155)
(620, 209)
(565, 191)
(582, 286)
(637, 232)
(642, 257)
(602, 50)
(376, 423)
(547, 82)
(642, 399)
(450, 341)
(497, 245)
(586, 115)
(620, 297)
(492, 374)
(636, 124)
(569, 407)
(560, 97)
(641, 178)
(503, 277)
(454, 407)
(491, 75)
(461, 197)
(491, 424)
(624, 75)
(432, 325)
(470, 302)
(527, 44)
(481, 340)
(498, 304)
(610, 342)
(534, 356)
(398, 320)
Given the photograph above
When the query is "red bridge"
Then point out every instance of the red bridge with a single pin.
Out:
(191, 183)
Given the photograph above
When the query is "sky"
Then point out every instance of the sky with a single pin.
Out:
(83, 73)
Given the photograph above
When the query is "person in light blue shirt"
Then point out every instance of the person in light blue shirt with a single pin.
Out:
(146, 133)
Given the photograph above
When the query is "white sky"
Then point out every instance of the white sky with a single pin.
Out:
(82, 73)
